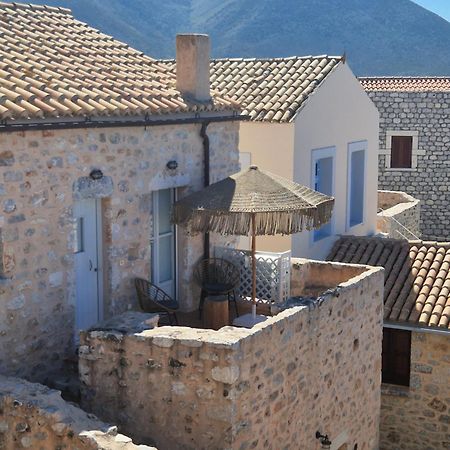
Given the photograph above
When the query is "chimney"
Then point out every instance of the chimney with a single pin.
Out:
(193, 66)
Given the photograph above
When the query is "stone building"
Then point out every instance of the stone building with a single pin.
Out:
(415, 401)
(96, 140)
(415, 144)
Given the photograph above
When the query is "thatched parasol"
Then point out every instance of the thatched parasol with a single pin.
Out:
(253, 202)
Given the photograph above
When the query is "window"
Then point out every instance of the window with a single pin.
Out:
(323, 181)
(163, 242)
(401, 152)
(396, 356)
(356, 183)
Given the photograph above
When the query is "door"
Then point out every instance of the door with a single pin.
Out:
(87, 215)
(163, 242)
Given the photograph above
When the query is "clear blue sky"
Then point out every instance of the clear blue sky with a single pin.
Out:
(441, 7)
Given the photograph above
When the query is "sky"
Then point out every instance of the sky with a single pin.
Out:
(441, 7)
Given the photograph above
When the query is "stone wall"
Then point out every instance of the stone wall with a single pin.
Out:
(399, 215)
(35, 417)
(418, 417)
(42, 174)
(307, 369)
(425, 113)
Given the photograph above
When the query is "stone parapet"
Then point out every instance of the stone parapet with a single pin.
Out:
(398, 215)
(33, 416)
(307, 369)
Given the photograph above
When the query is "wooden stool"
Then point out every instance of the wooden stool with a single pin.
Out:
(216, 312)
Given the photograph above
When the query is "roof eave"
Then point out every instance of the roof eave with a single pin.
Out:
(120, 121)
(415, 327)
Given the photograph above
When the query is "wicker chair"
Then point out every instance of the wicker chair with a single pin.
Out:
(217, 276)
(153, 299)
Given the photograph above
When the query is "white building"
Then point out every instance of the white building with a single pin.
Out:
(311, 121)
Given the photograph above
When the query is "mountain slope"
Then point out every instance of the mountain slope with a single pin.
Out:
(380, 37)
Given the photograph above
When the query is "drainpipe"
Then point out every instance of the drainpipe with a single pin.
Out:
(206, 176)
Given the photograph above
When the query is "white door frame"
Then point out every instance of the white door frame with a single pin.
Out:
(100, 272)
(154, 270)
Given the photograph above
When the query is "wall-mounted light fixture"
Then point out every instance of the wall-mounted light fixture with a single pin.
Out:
(96, 174)
(324, 440)
(172, 165)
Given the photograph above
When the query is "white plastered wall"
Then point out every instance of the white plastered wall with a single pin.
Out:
(338, 113)
(272, 149)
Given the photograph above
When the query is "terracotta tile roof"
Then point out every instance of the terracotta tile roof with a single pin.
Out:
(52, 65)
(406, 84)
(417, 276)
(271, 90)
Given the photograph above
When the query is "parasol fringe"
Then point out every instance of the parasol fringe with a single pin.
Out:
(266, 223)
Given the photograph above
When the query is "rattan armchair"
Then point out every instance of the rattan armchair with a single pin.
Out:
(153, 299)
(217, 276)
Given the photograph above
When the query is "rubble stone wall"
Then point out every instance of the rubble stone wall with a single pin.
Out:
(418, 417)
(400, 215)
(42, 174)
(34, 417)
(307, 369)
(425, 113)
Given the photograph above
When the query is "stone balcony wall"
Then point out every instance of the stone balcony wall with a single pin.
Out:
(34, 417)
(307, 369)
(399, 215)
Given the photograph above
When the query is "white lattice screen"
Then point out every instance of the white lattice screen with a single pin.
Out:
(273, 273)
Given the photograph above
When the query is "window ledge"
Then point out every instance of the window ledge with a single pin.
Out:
(394, 390)
(400, 169)
(321, 238)
(351, 227)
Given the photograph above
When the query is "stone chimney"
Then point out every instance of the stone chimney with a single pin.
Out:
(193, 66)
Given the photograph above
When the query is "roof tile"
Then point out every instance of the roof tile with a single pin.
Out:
(417, 276)
(270, 90)
(406, 84)
(52, 65)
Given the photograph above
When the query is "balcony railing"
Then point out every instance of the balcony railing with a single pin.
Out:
(273, 273)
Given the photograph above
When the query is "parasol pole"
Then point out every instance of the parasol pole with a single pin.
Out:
(253, 265)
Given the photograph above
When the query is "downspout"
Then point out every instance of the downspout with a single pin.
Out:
(206, 177)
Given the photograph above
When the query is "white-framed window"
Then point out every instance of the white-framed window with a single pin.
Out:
(323, 180)
(356, 180)
(401, 150)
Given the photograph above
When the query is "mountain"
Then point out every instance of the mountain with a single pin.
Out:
(380, 37)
